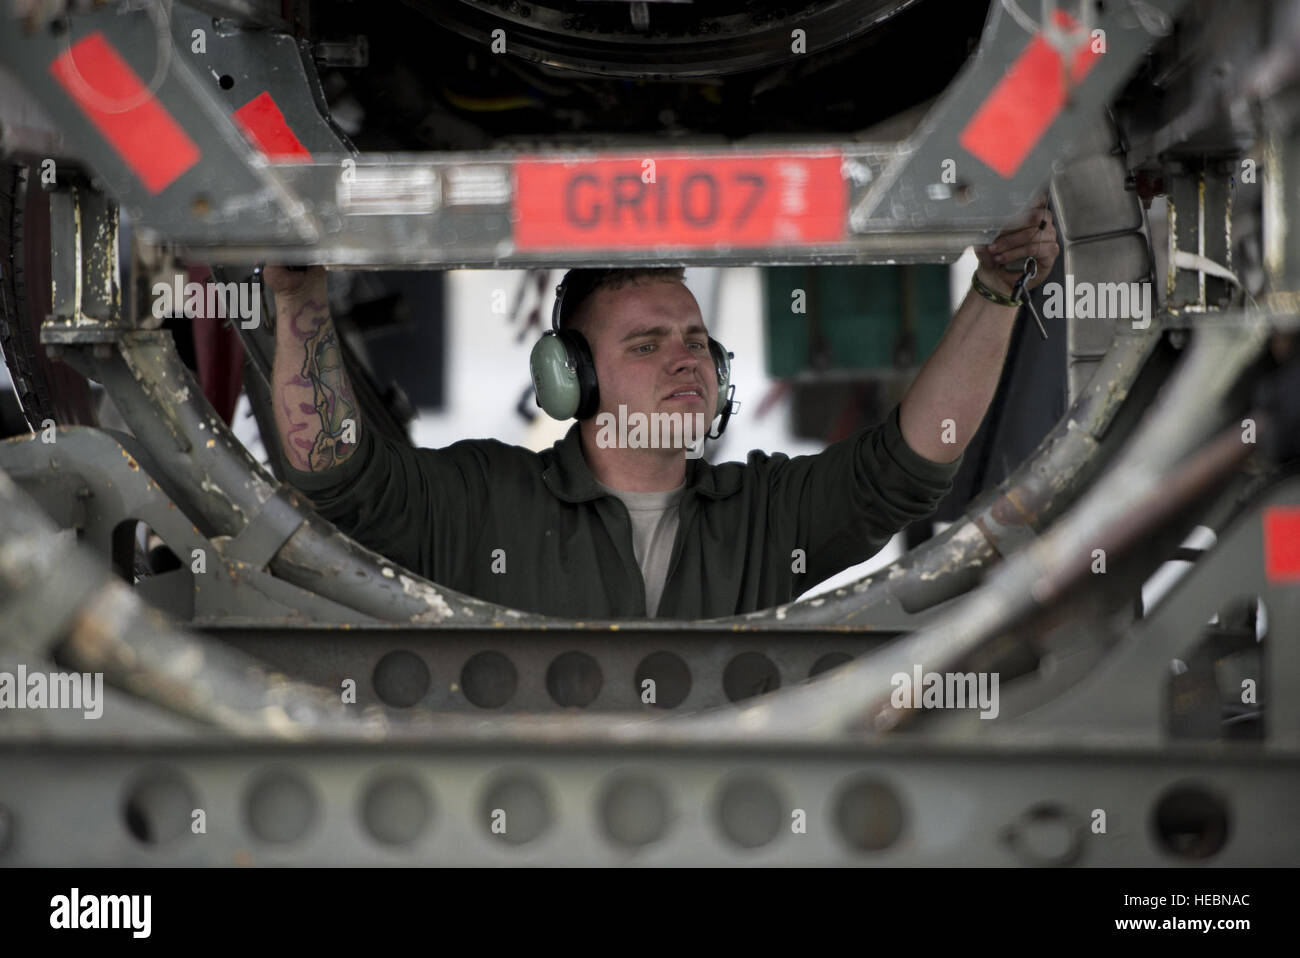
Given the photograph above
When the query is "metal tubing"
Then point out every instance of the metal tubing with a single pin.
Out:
(859, 692)
(228, 489)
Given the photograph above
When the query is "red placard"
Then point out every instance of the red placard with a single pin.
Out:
(264, 125)
(1030, 95)
(691, 200)
(127, 115)
(1282, 544)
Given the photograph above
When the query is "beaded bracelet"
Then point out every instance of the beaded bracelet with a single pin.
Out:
(991, 294)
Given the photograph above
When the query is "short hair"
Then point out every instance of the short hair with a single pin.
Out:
(581, 284)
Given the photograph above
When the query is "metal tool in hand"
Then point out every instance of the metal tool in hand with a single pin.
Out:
(1021, 295)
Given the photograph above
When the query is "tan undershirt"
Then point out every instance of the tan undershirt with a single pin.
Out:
(655, 517)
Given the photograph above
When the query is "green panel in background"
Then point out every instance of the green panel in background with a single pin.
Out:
(865, 316)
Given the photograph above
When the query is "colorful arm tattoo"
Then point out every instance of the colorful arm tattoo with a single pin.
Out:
(323, 368)
(317, 412)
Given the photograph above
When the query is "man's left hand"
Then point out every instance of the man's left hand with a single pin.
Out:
(1003, 260)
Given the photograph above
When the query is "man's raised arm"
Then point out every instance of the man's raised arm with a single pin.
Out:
(316, 410)
(947, 401)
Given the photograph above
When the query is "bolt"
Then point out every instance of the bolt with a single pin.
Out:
(1045, 835)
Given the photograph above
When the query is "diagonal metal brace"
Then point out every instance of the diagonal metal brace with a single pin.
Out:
(987, 147)
(266, 532)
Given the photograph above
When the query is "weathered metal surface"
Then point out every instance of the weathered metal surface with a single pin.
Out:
(41, 582)
(906, 803)
(226, 183)
(490, 671)
(859, 692)
(894, 220)
(90, 481)
(25, 129)
(907, 593)
(913, 191)
(58, 601)
(116, 634)
(1012, 515)
(1124, 694)
(478, 231)
(250, 61)
(107, 629)
(226, 488)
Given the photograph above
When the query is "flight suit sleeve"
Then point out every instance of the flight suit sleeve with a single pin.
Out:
(844, 504)
(422, 508)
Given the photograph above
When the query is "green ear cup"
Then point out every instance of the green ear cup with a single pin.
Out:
(564, 376)
(555, 380)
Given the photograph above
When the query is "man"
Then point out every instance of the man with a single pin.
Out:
(594, 529)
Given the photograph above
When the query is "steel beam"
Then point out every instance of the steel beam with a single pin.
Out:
(905, 805)
(827, 203)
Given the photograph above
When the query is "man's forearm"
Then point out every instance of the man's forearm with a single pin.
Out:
(316, 410)
(948, 399)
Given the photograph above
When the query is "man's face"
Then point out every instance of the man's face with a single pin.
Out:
(651, 350)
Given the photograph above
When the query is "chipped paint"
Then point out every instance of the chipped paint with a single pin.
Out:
(438, 610)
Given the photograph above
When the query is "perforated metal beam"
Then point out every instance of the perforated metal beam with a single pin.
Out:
(907, 805)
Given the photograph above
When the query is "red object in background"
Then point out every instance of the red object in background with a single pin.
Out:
(693, 201)
(126, 114)
(1023, 104)
(1282, 544)
(218, 354)
(265, 126)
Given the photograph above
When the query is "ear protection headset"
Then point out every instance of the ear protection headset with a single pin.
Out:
(564, 374)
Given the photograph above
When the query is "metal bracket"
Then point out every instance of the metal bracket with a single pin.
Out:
(86, 288)
(165, 147)
(89, 480)
(1016, 106)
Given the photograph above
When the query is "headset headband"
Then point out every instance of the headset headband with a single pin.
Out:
(575, 287)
